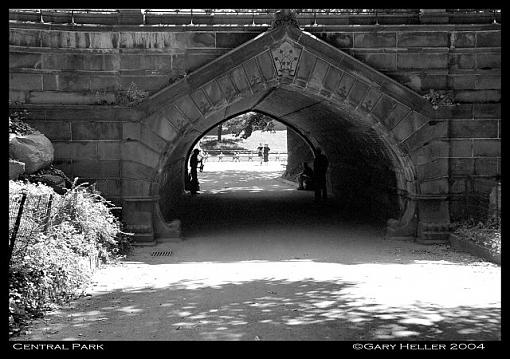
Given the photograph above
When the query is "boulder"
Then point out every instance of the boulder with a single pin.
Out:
(16, 168)
(35, 151)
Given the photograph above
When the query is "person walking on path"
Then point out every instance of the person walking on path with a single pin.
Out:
(194, 164)
(260, 150)
(266, 153)
(305, 178)
(320, 167)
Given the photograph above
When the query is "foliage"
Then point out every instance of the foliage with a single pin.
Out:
(17, 117)
(439, 98)
(132, 95)
(245, 124)
(56, 256)
(486, 234)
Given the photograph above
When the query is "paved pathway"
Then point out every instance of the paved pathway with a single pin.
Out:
(261, 262)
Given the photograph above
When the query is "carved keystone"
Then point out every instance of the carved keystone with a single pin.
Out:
(286, 57)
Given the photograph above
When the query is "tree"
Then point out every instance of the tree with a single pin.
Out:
(244, 125)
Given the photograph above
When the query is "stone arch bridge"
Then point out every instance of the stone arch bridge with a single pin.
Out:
(354, 90)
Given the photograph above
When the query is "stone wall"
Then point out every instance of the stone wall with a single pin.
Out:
(71, 81)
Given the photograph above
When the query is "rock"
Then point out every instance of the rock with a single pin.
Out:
(35, 150)
(15, 169)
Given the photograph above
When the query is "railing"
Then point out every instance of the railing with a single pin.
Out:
(247, 17)
(240, 155)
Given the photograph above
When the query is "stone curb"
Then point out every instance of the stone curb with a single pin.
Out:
(474, 249)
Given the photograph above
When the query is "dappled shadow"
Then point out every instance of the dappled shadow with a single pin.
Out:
(265, 309)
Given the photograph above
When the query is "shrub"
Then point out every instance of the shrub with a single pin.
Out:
(53, 257)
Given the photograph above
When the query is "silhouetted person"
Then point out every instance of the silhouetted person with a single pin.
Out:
(320, 167)
(260, 151)
(266, 153)
(220, 156)
(194, 164)
(305, 178)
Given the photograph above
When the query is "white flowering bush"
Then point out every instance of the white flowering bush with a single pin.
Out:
(54, 254)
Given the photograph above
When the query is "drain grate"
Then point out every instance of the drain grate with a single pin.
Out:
(161, 253)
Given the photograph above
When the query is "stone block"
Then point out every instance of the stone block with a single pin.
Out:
(50, 82)
(132, 130)
(375, 40)
(420, 60)
(109, 187)
(228, 89)
(137, 171)
(379, 61)
(487, 148)
(108, 150)
(422, 39)
(67, 98)
(438, 186)
(488, 39)
(332, 79)
(232, 40)
(162, 126)
(135, 188)
(305, 67)
(390, 112)
(152, 140)
(475, 96)
(188, 108)
(461, 148)
(430, 151)
(474, 129)
(214, 93)
(25, 81)
(84, 130)
(370, 99)
(462, 82)
(187, 40)
(24, 60)
(239, 79)
(73, 81)
(464, 61)
(357, 93)
(486, 167)
(488, 82)
(201, 101)
(109, 130)
(464, 39)
(18, 96)
(337, 39)
(404, 128)
(25, 37)
(54, 130)
(487, 110)
(252, 72)
(137, 152)
(488, 60)
(266, 65)
(319, 72)
(76, 150)
(436, 169)
(96, 169)
(462, 166)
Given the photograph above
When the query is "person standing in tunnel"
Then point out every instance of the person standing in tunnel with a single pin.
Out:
(320, 167)
(194, 164)
(266, 153)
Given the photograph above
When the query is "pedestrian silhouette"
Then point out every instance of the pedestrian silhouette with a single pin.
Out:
(305, 178)
(260, 151)
(320, 167)
(266, 153)
(194, 164)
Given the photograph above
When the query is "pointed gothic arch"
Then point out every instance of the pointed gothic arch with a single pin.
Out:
(322, 91)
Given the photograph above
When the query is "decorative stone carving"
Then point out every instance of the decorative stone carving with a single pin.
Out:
(286, 58)
(284, 17)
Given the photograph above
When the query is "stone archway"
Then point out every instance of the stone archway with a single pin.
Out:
(325, 94)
